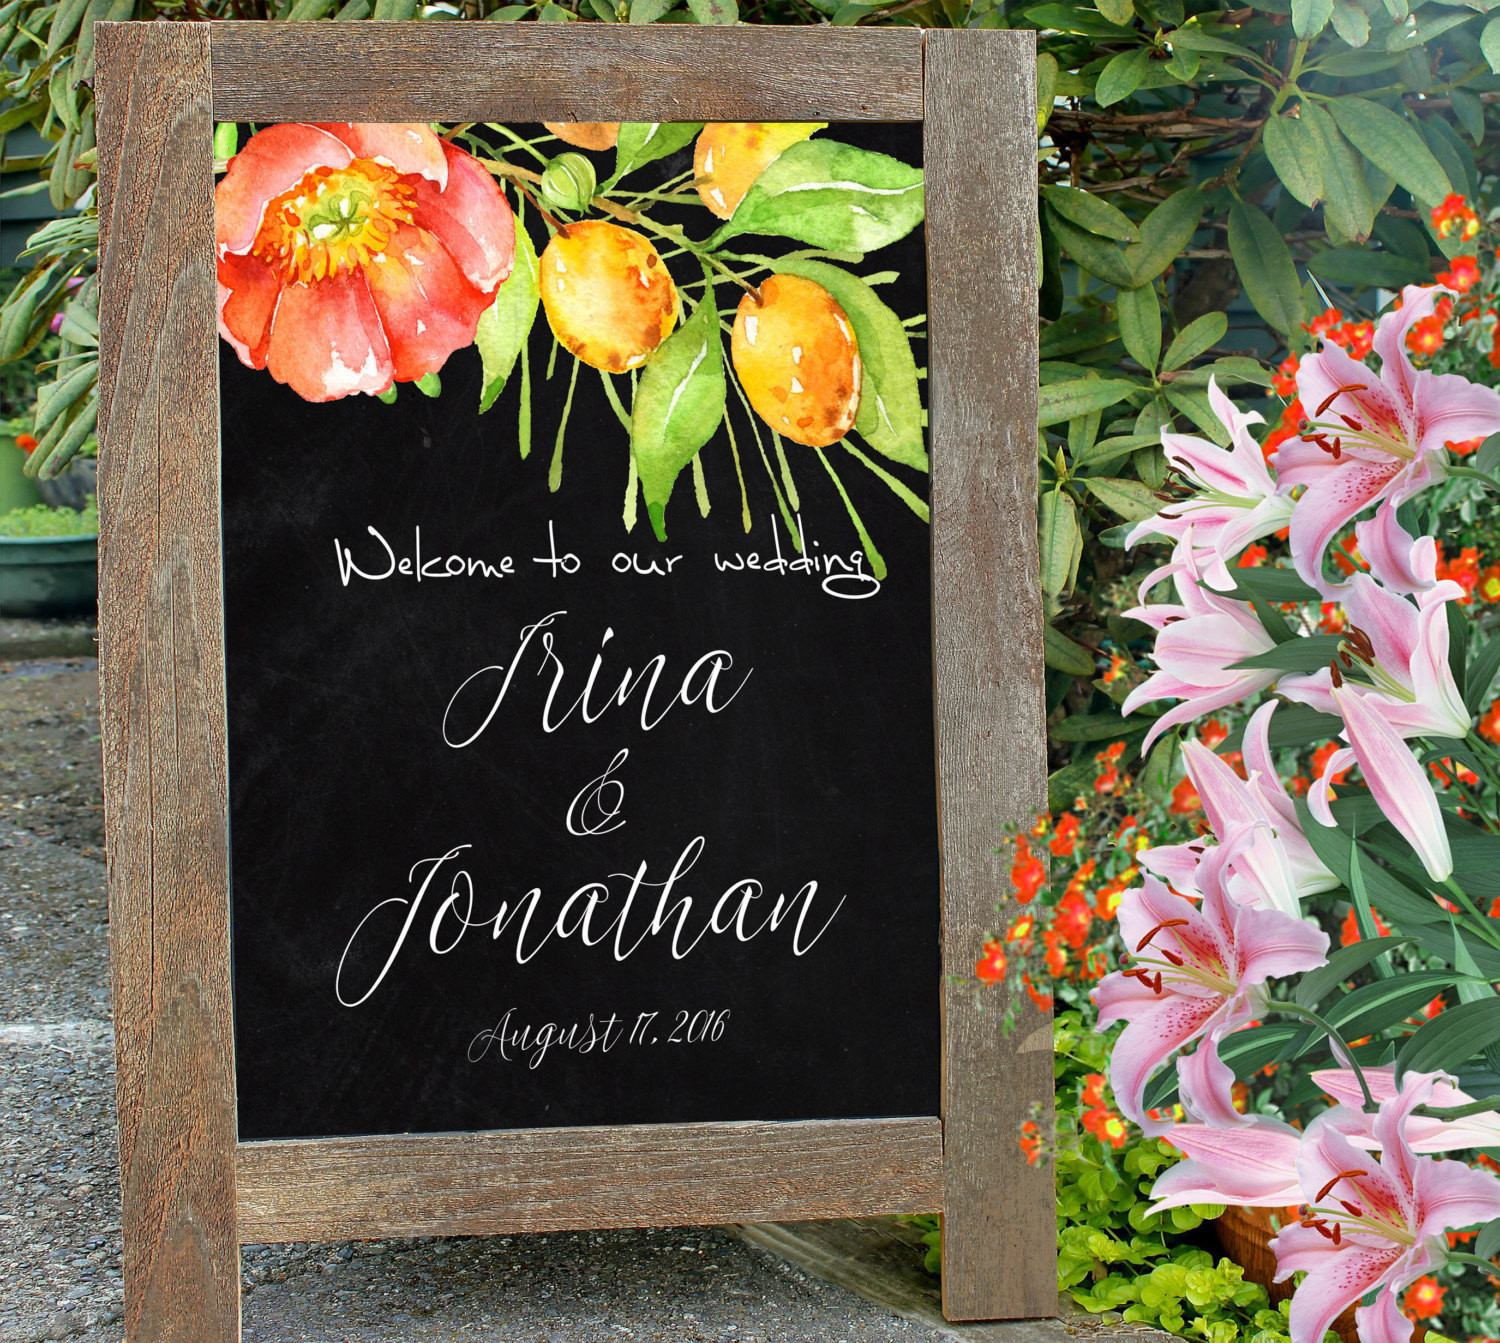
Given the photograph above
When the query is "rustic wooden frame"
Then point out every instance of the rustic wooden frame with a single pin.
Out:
(192, 1194)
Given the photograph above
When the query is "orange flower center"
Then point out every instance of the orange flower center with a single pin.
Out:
(334, 219)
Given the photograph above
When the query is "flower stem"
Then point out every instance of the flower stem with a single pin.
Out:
(1308, 1015)
(1458, 1111)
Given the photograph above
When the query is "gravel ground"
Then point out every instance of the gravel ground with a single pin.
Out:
(59, 1189)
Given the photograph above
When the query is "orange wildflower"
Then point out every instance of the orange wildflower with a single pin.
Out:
(1185, 799)
(1212, 733)
(1425, 336)
(1106, 1125)
(1031, 1142)
(990, 967)
(1489, 585)
(26, 443)
(1464, 447)
(1462, 274)
(1253, 557)
(1424, 1299)
(1454, 216)
(1065, 840)
(1489, 724)
(1320, 759)
(1349, 934)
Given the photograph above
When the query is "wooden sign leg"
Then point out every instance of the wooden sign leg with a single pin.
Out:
(999, 1239)
(162, 684)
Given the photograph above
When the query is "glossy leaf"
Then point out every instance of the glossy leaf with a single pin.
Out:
(1121, 76)
(1064, 400)
(1060, 539)
(1451, 1038)
(1129, 498)
(1064, 654)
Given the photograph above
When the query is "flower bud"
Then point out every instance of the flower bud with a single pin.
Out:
(568, 183)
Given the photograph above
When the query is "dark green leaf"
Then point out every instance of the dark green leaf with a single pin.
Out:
(1292, 147)
(1129, 498)
(1139, 314)
(1199, 335)
(1309, 653)
(1487, 1244)
(1060, 539)
(1310, 17)
(715, 11)
(1064, 400)
(1090, 212)
(1359, 266)
(1064, 654)
(1265, 266)
(1451, 1038)
(1121, 76)
(1245, 1052)
(1165, 234)
(1385, 138)
(1095, 727)
(1481, 675)
(1386, 1002)
(1096, 255)
(1277, 585)
(1346, 198)
(1344, 964)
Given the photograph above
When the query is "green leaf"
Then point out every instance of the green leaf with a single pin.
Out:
(1487, 1244)
(1116, 11)
(890, 400)
(1129, 498)
(1351, 23)
(1199, 335)
(1064, 654)
(1292, 147)
(1389, 142)
(1343, 964)
(1046, 87)
(1310, 652)
(1310, 17)
(1091, 212)
(1066, 400)
(1451, 1038)
(831, 195)
(1265, 265)
(1347, 206)
(506, 323)
(715, 11)
(642, 142)
(1094, 727)
(1096, 255)
(1139, 315)
(1085, 330)
(648, 11)
(1165, 234)
(1121, 76)
(1469, 110)
(1276, 585)
(1195, 405)
(1378, 1006)
(1489, 44)
(1481, 675)
(1245, 1052)
(678, 406)
(1191, 38)
(1060, 540)
(1359, 266)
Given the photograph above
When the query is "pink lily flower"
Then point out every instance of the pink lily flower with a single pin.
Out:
(1200, 639)
(1424, 1134)
(1279, 867)
(1373, 438)
(1252, 1164)
(1236, 502)
(1400, 562)
(1401, 787)
(1199, 972)
(1399, 654)
(1374, 1223)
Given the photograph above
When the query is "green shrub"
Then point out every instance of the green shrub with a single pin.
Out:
(40, 520)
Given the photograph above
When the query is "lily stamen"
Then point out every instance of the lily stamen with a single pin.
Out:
(1342, 1175)
(1165, 923)
(1338, 392)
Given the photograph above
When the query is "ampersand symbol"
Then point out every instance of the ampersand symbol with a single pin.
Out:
(596, 808)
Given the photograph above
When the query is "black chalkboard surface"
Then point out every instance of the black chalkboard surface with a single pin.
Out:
(471, 889)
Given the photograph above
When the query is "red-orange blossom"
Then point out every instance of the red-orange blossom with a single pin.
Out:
(354, 256)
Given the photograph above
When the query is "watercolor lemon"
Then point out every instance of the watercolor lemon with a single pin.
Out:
(607, 295)
(797, 359)
(732, 154)
(586, 134)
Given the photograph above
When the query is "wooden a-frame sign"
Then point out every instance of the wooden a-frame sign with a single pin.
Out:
(192, 1191)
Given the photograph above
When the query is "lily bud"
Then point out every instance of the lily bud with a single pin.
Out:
(569, 183)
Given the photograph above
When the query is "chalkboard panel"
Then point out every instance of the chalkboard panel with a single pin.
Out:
(472, 890)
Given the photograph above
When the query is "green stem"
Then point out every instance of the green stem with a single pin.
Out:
(554, 472)
(1473, 912)
(877, 561)
(1458, 1111)
(907, 497)
(614, 399)
(1307, 1014)
(676, 235)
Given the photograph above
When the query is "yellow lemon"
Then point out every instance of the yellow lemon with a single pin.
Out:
(797, 359)
(732, 154)
(586, 134)
(608, 296)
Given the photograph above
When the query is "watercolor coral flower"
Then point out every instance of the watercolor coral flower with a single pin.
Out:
(1198, 972)
(354, 256)
(1374, 1223)
(1370, 438)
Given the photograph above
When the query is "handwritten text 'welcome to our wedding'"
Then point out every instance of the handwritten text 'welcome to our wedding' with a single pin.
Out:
(444, 898)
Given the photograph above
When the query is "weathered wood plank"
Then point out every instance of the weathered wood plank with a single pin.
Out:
(999, 1241)
(566, 1179)
(563, 72)
(162, 684)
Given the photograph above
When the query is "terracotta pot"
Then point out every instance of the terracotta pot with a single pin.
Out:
(1244, 1234)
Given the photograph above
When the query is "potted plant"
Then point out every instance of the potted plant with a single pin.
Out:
(49, 560)
(16, 489)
